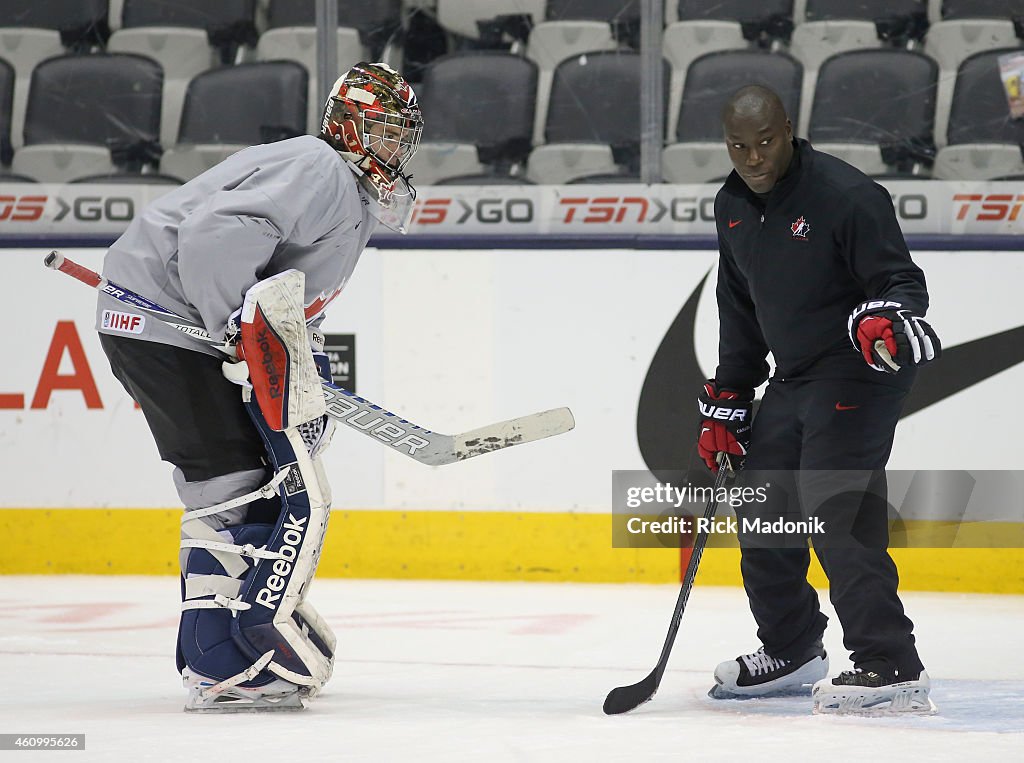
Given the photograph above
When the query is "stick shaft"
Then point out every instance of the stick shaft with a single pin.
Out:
(419, 443)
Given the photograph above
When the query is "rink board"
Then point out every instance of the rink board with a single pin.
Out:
(454, 340)
(441, 545)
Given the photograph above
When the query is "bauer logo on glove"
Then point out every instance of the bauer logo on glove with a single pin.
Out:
(890, 336)
(725, 424)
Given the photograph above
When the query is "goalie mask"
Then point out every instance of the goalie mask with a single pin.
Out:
(373, 120)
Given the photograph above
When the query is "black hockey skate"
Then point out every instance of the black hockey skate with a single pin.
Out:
(865, 692)
(761, 675)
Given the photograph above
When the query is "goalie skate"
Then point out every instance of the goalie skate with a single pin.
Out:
(207, 696)
(761, 675)
(857, 692)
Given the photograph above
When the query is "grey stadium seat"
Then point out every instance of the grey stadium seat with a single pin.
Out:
(699, 152)
(434, 162)
(233, 107)
(876, 108)
(983, 142)
(116, 124)
(564, 162)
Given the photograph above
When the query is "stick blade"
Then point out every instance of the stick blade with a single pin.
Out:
(505, 434)
(622, 699)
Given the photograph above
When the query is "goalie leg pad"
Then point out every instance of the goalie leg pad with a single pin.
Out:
(277, 583)
(275, 345)
(245, 625)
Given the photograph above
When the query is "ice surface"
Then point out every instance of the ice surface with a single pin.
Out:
(488, 672)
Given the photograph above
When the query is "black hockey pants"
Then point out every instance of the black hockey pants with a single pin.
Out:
(816, 432)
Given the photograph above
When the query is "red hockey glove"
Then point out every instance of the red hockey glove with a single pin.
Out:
(890, 336)
(725, 424)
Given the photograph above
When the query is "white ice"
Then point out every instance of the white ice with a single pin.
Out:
(431, 671)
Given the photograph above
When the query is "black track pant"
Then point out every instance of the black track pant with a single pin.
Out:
(806, 428)
(195, 414)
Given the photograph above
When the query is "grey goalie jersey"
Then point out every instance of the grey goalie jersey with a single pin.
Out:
(263, 210)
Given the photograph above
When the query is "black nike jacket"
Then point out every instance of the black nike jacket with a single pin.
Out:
(793, 266)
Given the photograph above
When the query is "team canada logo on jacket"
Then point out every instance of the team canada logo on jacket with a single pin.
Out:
(800, 228)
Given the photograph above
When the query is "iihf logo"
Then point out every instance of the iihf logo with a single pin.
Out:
(800, 228)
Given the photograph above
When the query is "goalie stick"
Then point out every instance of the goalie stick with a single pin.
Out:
(357, 413)
(622, 699)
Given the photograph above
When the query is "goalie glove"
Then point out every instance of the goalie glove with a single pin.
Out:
(726, 416)
(890, 336)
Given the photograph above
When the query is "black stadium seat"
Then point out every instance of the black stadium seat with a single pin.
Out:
(623, 15)
(115, 121)
(6, 109)
(760, 19)
(81, 23)
(596, 99)
(895, 20)
(979, 112)
(714, 77)
(982, 9)
(983, 142)
(486, 98)
(120, 100)
(233, 107)
(882, 100)
(130, 178)
(620, 11)
(376, 21)
(245, 104)
(228, 23)
(711, 79)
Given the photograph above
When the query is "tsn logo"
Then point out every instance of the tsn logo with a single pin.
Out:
(993, 206)
(606, 209)
(22, 208)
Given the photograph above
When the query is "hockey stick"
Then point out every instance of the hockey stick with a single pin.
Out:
(357, 413)
(622, 699)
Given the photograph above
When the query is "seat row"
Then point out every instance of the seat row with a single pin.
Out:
(189, 36)
(876, 108)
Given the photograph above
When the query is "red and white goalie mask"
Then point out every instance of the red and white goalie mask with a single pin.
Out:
(373, 120)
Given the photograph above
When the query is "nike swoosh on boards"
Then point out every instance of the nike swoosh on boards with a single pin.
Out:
(666, 415)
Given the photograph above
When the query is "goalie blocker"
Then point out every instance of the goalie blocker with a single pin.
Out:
(248, 638)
